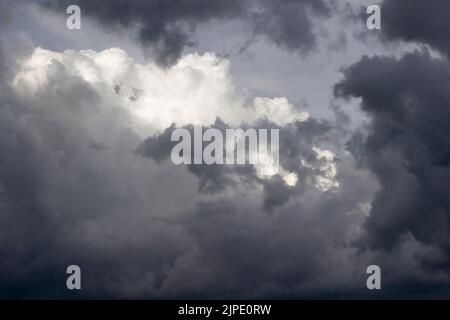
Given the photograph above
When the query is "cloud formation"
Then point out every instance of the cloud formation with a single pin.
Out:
(86, 178)
(406, 146)
(166, 27)
(83, 192)
(416, 21)
(405, 143)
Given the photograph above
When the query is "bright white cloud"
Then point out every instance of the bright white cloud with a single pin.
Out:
(196, 90)
(326, 179)
(278, 110)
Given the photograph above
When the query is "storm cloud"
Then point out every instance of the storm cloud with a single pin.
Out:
(86, 176)
(417, 21)
(142, 226)
(166, 27)
(406, 145)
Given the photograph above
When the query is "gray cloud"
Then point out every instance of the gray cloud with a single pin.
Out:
(56, 192)
(405, 146)
(418, 21)
(405, 143)
(79, 186)
(289, 23)
(215, 178)
(139, 228)
(165, 27)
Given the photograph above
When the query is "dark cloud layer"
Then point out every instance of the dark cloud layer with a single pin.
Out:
(406, 146)
(418, 21)
(289, 23)
(165, 26)
(55, 190)
(406, 142)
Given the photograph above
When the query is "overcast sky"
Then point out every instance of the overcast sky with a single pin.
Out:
(86, 176)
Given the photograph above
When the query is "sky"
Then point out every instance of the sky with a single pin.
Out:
(86, 176)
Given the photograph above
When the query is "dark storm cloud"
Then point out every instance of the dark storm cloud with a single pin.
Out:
(74, 191)
(139, 228)
(135, 227)
(288, 23)
(244, 251)
(56, 190)
(19, 180)
(165, 26)
(77, 187)
(418, 21)
(407, 147)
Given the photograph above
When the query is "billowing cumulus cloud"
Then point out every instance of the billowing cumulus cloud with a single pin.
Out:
(87, 189)
(86, 176)
(204, 90)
